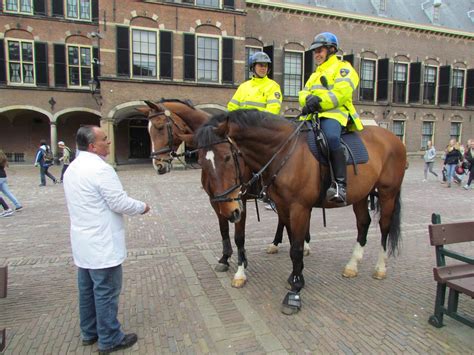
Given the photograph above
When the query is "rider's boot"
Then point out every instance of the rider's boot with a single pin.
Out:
(337, 192)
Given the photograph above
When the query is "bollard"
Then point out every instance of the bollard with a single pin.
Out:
(3, 281)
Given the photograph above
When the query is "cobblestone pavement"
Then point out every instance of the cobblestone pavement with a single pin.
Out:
(177, 303)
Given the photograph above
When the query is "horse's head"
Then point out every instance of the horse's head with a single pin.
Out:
(164, 127)
(222, 172)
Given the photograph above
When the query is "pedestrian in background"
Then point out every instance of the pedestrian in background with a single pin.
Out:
(429, 158)
(453, 158)
(44, 159)
(97, 202)
(3, 181)
(66, 158)
(469, 157)
(7, 211)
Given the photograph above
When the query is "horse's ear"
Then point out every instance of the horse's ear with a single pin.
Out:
(152, 105)
(222, 128)
(186, 137)
(144, 110)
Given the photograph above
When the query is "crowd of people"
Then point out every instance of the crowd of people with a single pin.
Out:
(458, 163)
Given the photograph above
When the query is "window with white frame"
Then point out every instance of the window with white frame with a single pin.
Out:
(400, 82)
(19, 6)
(292, 73)
(21, 68)
(208, 3)
(429, 85)
(79, 9)
(457, 90)
(398, 129)
(427, 130)
(367, 79)
(455, 131)
(249, 51)
(79, 61)
(207, 59)
(144, 53)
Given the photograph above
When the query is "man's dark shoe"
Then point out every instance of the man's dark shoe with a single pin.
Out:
(89, 341)
(127, 342)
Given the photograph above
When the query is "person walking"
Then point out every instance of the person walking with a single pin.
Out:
(429, 158)
(96, 202)
(7, 211)
(66, 158)
(469, 157)
(3, 182)
(453, 157)
(44, 159)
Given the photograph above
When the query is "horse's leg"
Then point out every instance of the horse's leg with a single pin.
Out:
(273, 247)
(240, 278)
(389, 227)
(223, 264)
(363, 222)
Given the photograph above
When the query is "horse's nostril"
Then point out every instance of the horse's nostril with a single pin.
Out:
(235, 217)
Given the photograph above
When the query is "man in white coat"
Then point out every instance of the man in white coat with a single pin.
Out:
(97, 202)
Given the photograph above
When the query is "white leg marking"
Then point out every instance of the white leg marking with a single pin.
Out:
(381, 266)
(240, 274)
(210, 157)
(357, 255)
(306, 249)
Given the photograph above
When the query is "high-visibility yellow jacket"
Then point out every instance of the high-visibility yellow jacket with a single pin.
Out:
(336, 98)
(262, 94)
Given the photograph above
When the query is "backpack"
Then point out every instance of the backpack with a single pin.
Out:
(48, 156)
(72, 154)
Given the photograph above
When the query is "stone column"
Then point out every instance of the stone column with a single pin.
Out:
(54, 138)
(109, 128)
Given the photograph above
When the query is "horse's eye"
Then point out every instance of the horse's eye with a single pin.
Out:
(227, 158)
(159, 129)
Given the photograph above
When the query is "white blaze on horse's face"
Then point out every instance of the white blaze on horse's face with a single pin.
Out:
(152, 144)
(210, 157)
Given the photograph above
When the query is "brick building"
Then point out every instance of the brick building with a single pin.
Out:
(417, 79)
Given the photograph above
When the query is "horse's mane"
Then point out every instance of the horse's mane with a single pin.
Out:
(188, 102)
(243, 118)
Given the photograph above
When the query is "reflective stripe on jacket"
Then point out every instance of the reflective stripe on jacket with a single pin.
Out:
(263, 94)
(336, 98)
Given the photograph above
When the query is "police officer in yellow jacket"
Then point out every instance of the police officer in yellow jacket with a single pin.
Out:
(260, 92)
(329, 92)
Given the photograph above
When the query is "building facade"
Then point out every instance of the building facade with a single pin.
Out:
(416, 79)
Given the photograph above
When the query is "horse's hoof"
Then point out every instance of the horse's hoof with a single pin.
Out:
(379, 275)
(349, 273)
(221, 268)
(291, 303)
(306, 252)
(239, 283)
(272, 249)
(289, 310)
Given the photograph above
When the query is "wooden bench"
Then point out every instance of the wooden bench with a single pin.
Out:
(3, 294)
(458, 277)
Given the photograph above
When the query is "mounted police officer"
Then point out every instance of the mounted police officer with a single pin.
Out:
(329, 92)
(260, 92)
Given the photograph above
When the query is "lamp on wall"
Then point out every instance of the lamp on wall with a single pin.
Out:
(94, 88)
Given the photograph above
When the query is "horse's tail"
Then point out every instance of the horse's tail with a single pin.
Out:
(394, 233)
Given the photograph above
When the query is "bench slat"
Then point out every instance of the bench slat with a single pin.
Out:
(452, 272)
(449, 233)
(464, 285)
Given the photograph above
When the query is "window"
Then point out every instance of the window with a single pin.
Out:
(208, 3)
(208, 59)
(248, 52)
(400, 82)
(455, 132)
(457, 90)
(19, 6)
(367, 79)
(78, 9)
(144, 53)
(292, 73)
(427, 130)
(21, 69)
(429, 85)
(79, 65)
(398, 128)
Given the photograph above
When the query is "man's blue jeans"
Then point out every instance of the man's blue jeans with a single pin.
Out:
(4, 188)
(99, 292)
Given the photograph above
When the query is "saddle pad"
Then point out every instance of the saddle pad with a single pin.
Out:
(351, 140)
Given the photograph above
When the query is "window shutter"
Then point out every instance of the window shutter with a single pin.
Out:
(39, 7)
(3, 68)
(189, 57)
(166, 55)
(41, 64)
(123, 51)
(415, 81)
(60, 65)
(229, 4)
(95, 62)
(470, 87)
(349, 58)
(308, 65)
(269, 51)
(58, 8)
(95, 10)
(444, 81)
(227, 60)
(382, 79)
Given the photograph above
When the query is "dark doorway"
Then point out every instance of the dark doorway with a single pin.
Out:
(139, 139)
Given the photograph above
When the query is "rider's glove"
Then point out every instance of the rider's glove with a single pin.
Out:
(312, 104)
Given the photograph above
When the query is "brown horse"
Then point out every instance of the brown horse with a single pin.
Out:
(171, 121)
(276, 150)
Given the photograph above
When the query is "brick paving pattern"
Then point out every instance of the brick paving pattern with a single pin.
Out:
(178, 304)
